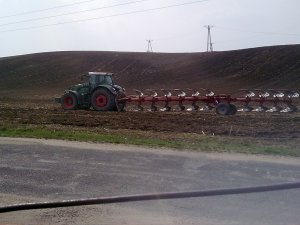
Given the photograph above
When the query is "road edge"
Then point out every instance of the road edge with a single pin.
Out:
(165, 151)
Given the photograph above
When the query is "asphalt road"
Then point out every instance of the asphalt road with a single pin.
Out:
(39, 170)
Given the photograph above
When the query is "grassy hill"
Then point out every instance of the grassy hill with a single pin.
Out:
(50, 73)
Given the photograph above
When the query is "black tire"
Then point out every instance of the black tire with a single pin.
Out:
(233, 109)
(120, 105)
(103, 100)
(69, 101)
(223, 109)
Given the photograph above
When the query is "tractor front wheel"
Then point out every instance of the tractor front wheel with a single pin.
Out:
(69, 101)
(103, 100)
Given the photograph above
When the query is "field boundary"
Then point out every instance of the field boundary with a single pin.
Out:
(187, 142)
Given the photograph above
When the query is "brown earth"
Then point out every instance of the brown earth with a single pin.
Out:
(29, 83)
(255, 125)
(48, 74)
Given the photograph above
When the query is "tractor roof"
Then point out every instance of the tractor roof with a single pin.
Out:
(100, 73)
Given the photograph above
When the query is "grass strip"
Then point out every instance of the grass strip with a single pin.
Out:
(179, 141)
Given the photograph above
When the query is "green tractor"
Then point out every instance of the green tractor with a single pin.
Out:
(98, 92)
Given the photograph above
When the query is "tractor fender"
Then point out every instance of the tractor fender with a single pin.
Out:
(108, 87)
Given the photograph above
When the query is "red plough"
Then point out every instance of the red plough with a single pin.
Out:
(264, 100)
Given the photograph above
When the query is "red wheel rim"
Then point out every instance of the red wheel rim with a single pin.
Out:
(101, 101)
(68, 101)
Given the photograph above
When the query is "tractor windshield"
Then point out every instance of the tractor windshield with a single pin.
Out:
(108, 80)
(104, 80)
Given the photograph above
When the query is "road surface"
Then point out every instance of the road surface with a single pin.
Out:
(40, 170)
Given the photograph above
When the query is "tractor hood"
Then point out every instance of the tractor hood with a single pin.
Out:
(78, 86)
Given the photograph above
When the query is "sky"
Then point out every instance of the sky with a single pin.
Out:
(33, 26)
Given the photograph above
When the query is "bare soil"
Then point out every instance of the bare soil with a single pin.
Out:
(258, 125)
(51, 73)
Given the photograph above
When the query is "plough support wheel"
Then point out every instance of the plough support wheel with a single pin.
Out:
(223, 109)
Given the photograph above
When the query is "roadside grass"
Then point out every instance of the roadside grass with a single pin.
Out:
(186, 141)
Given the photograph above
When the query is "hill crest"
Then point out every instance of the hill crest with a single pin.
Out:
(52, 72)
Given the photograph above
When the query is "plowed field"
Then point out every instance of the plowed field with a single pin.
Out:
(259, 125)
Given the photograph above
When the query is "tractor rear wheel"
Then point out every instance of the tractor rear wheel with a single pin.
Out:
(120, 104)
(223, 109)
(69, 101)
(103, 100)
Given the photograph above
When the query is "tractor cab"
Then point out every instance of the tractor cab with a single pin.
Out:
(95, 79)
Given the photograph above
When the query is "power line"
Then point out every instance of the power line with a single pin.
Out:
(104, 17)
(186, 34)
(70, 13)
(236, 40)
(46, 9)
(257, 32)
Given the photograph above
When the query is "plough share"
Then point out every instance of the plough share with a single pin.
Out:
(279, 100)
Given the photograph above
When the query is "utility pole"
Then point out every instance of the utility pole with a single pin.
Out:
(209, 47)
(149, 49)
